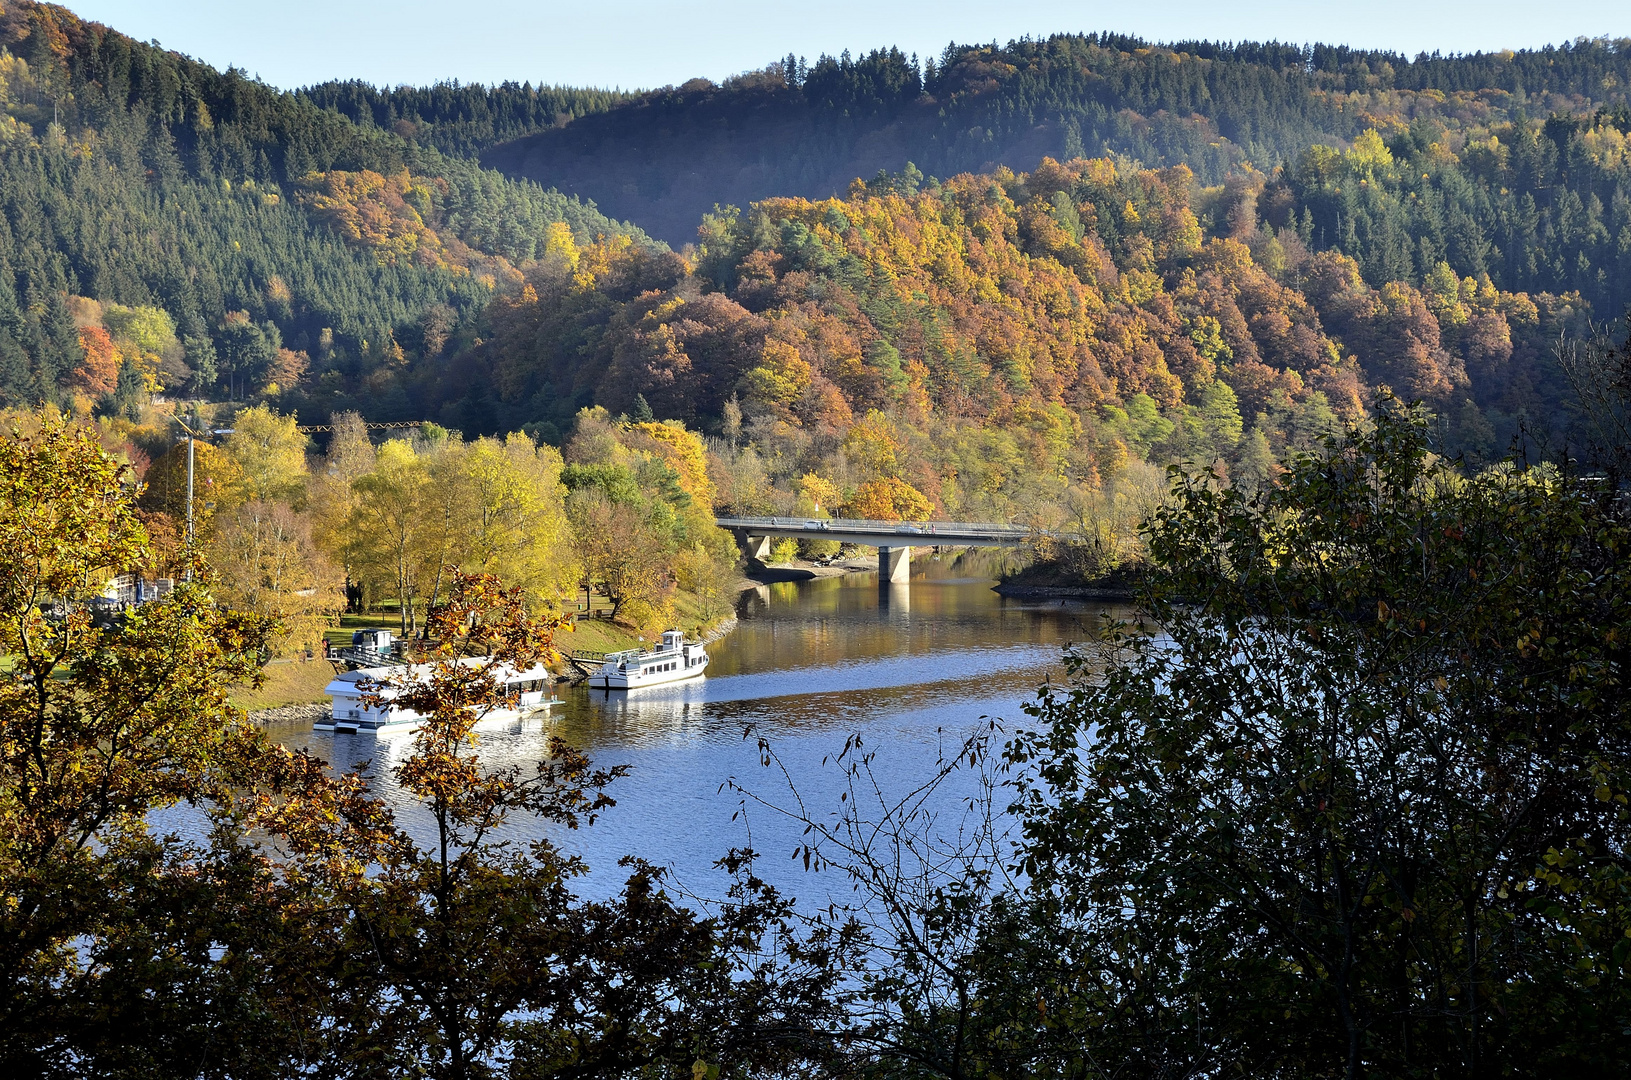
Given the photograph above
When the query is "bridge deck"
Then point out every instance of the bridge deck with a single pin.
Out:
(885, 533)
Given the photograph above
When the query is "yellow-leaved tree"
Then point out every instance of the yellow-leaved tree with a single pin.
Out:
(822, 492)
(518, 528)
(217, 483)
(387, 519)
(265, 561)
(102, 722)
(889, 499)
(874, 446)
(270, 453)
(333, 500)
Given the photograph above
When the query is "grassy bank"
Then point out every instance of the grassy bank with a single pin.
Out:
(287, 683)
(597, 635)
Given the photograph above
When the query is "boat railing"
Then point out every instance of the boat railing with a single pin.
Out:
(583, 656)
(362, 657)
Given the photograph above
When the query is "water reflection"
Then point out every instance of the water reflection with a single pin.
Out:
(911, 668)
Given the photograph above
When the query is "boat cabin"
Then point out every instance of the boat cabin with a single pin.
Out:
(377, 640)
(671, 661)
(524, 692)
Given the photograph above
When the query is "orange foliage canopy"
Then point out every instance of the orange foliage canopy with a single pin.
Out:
(889, 499)
(395, 217)
(373, 211)
(98, 373)
(680, 448)
(1041, 306)
(1075, 286)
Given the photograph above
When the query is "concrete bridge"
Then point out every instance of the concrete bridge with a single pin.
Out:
(893, 539)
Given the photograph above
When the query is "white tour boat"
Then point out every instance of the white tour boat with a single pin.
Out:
(671, 661)
(525, 692)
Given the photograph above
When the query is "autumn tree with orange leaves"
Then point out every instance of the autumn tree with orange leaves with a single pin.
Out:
(102, 724)
(305, 928)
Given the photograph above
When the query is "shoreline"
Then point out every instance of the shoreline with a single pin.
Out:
(1065, 592)
(801, 570)
(310, 710)
(795, 571)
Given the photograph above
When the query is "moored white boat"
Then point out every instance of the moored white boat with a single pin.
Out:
(525, 692)
(673, 660)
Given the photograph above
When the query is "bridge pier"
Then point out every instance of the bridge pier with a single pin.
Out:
(754, 547)
(755, 536)
(894, 565)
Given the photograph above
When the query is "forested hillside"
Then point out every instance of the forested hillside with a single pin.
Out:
(1429, 225)
(808, 129)
(463, 119)
(1003, 346)
(264, 238)
(1206, 253)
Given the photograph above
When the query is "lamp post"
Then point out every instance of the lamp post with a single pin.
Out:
(192, 434)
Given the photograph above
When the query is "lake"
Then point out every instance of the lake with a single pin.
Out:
(911, 669)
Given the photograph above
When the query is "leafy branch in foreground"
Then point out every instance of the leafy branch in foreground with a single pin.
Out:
(103, 723)
(301, 928)
(1360, 807)
(924, 949)
(1348, 799)
(469, 955)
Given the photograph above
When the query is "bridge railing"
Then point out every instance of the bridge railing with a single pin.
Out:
(984, 528)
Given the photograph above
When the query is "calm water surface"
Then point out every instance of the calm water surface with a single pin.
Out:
(910, 668)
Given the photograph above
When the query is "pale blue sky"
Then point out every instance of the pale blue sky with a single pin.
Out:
(643, 43)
